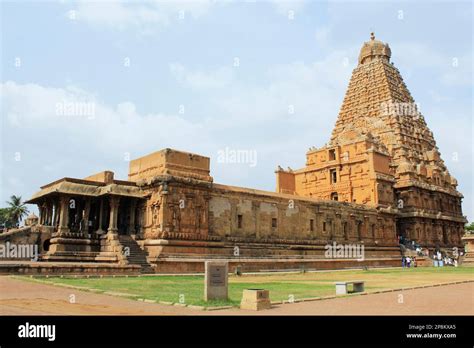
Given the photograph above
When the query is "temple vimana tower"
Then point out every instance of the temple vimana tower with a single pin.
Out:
(379, 177)
(381, 153)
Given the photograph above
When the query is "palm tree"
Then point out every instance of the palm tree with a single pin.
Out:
(18, 209)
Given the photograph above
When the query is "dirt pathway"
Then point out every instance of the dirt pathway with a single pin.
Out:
(19, 297)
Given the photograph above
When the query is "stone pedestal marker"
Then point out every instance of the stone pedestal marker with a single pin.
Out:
(216, 280)
(255, 299)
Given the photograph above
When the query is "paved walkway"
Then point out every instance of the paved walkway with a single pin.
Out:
(19, 297)
(443, 300)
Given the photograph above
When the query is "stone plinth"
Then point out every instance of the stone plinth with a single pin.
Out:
(216, 280)
(255, 299)
(468, 239)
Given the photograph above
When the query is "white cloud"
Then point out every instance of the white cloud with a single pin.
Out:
(202, 80)
(45, 137)
(458, 72)
(322, 35)
(416, 55)
(146, 17)
(452, 71)
(54, 146)
(298, 92)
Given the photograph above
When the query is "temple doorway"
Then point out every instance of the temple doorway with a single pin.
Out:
(401, 232)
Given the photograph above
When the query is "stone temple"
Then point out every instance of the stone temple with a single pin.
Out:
(379, 177)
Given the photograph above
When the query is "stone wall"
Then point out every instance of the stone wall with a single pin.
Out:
(259, 215)
(188, 218)
(30, 235)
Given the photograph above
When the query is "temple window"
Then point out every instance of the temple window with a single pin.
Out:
(333, 174)
(274, 223)
(332, 155)
(324, 226)
(311, 225)
(239, 221)
(334, 196)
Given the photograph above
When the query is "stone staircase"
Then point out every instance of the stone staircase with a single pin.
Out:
(137, 256)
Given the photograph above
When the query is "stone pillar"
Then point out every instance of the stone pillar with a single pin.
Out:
(114, 206)
(359, 230)
(55, 213)
(142, 219)
(256, 216)
(164, 213)
(101, 217)
(64, 214)
(78, 216)
(42, 212)
(45, 215)
(131, 227)
(233, 218)
(85, 218)
(205, 215)
(50, 214)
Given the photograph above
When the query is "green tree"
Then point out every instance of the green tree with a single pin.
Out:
(5, 218)
(470, 227)
(18, 209)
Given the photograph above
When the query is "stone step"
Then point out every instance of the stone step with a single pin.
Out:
(137, 256)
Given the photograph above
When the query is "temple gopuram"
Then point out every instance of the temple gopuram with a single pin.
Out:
(379, 178)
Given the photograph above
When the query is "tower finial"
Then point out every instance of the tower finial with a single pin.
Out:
(372, 36)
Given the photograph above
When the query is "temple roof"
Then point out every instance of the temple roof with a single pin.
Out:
(81, 187)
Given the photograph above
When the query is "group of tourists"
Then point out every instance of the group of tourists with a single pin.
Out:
(440, 261)
(408, 261)
(438, 258)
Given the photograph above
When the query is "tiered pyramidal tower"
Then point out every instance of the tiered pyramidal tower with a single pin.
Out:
(382, 153)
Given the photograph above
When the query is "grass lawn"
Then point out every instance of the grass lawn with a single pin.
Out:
(190, 289)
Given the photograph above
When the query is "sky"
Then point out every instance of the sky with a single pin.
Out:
(87, 86)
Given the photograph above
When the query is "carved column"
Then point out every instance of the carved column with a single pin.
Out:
(50, 214)
(359, 230)
(63, 215)
(78, 215)
(133, 206)
(165, 211)
(114, 206)
(40, 211)
(101, 217)
(85, 217)
(140, 219)
(45, 214)
(256, 214)
(55, 213)
(317, 221)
